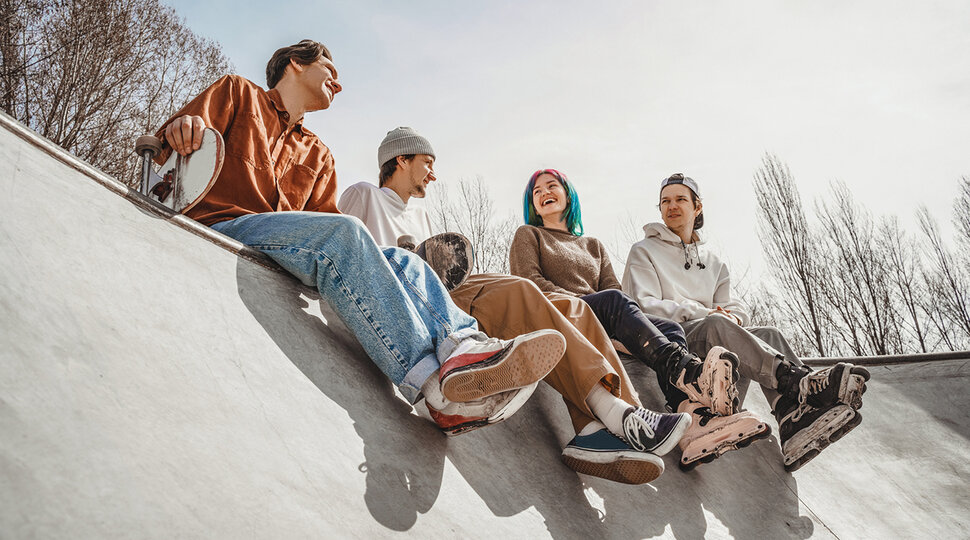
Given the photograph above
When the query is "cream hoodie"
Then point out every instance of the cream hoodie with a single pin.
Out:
(655, 276)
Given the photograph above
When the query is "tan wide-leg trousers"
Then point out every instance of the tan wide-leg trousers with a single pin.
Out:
(507, 306)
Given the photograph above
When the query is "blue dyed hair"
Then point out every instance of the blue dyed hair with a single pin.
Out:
(573, 213)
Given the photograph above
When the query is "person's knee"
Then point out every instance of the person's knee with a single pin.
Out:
(715, 326)
(349, 230)
(517, 285)
(618, 300)
(670, 329)
(771, 333)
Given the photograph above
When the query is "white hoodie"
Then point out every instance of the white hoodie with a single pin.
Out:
(657, 278)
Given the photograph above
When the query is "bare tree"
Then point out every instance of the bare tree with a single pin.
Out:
(793, 251)
(905, 273)
(472, 213)
(961, 217)
(627, 232)
(858, 288)
(91, 75)
(949, 307)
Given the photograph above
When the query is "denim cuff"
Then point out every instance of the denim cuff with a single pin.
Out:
(447, 346)
(416, 377)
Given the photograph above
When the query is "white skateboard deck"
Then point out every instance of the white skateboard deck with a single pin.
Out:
(182, 181)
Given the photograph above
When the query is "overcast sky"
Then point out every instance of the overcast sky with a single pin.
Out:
(618, 95)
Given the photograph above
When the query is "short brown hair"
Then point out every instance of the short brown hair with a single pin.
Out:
(389, 166)
(305, 52)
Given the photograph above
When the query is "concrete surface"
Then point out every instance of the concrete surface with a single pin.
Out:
(154, 384)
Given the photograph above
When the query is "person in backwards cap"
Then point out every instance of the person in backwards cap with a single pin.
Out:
(671, 273)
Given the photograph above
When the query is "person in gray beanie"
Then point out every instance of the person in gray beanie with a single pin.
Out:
(406, 162)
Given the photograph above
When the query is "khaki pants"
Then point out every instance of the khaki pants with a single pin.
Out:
(506, 306)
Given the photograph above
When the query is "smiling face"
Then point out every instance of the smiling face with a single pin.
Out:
(410, 177)
(418, 173)
(319, 80)
(678, 209)
(550, 200)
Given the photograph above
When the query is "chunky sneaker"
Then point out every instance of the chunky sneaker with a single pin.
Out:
(805, 430)
(713, 385)
(842, 383)
(604, 455)
(711, 435)
(649, 431)
(450, 255)
(478, 369)
(457, 418)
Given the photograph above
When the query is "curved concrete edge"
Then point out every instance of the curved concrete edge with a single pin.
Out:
(136, 198)
(222, 398)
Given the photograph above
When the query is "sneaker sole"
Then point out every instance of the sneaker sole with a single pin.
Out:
(525, 362)
(835, 424)
(731, 439)
(626, 468)
(503, 414)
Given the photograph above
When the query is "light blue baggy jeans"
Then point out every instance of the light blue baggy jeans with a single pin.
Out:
(389, 298)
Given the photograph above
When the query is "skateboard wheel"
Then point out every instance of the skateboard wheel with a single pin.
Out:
(148, 142)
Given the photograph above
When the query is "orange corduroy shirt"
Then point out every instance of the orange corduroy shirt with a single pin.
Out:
(268, 167)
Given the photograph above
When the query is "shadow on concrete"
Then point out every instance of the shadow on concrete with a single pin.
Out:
(733, 488)
(513, 467)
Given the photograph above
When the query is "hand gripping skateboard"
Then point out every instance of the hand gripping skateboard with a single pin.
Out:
(182, 181)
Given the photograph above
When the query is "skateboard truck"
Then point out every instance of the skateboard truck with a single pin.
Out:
(147, 146)
(161, 186)
(182, 181)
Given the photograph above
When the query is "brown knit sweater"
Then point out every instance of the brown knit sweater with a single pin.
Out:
(558, 261)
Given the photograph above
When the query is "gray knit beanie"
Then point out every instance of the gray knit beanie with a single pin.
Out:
(401, 142)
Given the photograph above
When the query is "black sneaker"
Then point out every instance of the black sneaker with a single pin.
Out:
(649, 431)
(842, 383)
(806, 430)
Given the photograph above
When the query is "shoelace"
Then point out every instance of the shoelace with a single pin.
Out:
(812, 383)
(800, 411)
(640, 420)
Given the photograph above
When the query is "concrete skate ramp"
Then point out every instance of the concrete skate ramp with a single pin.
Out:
(154, 384)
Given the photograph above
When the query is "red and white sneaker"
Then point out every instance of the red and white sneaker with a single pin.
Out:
(481, 368)
(457, 418)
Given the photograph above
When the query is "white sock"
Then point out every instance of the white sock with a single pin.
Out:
(591, 428)
(607, 408)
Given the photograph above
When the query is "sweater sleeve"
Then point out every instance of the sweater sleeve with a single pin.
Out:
(607, 275)
(642, 282)
(524, 260)
(722, 297)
